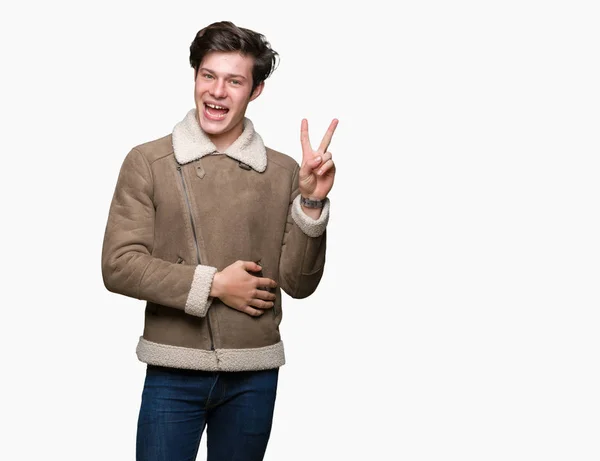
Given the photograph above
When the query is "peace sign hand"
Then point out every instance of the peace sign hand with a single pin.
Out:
(318, 170)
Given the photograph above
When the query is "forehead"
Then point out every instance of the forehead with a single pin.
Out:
(228, 62)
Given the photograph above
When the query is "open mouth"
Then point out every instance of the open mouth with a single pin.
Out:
(214, 111)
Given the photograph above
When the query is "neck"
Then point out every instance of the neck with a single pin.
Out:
(223, 140)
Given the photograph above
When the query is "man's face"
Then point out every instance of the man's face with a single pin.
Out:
(222, 93)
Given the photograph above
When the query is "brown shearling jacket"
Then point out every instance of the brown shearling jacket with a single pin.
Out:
(182, 211)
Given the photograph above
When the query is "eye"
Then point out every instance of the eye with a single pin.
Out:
(236, 82)
(207, 76)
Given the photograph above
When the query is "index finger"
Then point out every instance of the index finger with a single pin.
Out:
(266, 282)
(304, 137)
(328, 135)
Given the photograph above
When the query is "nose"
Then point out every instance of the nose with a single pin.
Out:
(218, 88)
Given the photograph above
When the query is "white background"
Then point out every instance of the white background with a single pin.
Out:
(458, 317)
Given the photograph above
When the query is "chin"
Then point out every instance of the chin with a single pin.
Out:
(212, 127)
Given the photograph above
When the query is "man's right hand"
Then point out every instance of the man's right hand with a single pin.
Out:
(243, 291)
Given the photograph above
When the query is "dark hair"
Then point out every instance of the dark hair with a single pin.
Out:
(226, 36)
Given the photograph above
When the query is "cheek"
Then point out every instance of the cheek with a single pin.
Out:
(241, 99)
(198, 89)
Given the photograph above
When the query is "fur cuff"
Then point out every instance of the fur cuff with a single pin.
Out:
(311, 227)
(198, 300)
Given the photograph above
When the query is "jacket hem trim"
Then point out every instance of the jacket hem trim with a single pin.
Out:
(260, 358)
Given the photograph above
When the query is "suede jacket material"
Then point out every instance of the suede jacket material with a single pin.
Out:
(182, 211)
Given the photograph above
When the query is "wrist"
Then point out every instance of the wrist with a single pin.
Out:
(215, 288)
(314, 213)
(308, 201)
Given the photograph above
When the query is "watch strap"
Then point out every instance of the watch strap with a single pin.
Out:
(309, 203)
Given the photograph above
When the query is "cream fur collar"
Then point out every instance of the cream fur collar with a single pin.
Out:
(191, 143)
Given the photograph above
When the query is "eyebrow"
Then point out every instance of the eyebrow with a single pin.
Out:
(227, 75)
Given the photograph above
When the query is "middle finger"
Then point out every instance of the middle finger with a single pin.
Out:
(328, 135)
(263, 294)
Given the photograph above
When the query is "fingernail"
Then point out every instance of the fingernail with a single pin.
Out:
(318, 159)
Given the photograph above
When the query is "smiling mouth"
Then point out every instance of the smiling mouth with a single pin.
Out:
(215, 112)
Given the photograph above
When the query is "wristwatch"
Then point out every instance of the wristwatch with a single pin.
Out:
(308, 203)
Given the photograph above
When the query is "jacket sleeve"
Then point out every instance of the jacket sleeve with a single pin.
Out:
(128, 267)
(304, 243)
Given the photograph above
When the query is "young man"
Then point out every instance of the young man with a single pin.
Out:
(208, 225)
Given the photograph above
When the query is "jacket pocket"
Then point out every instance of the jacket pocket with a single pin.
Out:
(270, 290)
(277, 306)
(151, 308)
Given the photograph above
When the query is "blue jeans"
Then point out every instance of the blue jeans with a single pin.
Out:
(236, 407)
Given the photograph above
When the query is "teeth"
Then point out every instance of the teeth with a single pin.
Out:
(214, 106)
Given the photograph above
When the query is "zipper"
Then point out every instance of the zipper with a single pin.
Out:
(189, 206)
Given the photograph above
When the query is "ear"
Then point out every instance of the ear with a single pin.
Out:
(257, 91)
